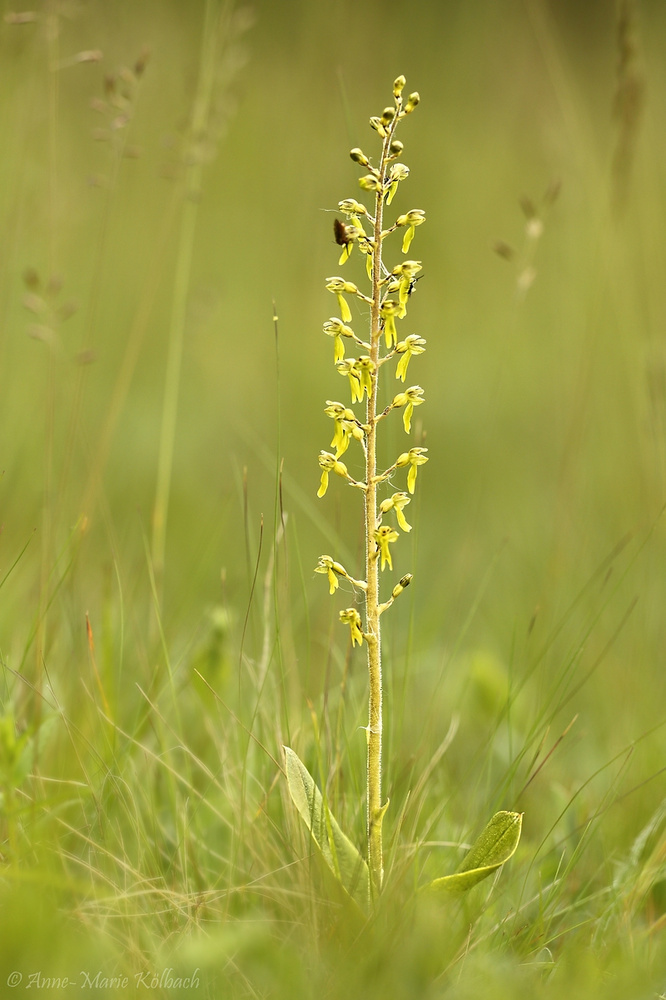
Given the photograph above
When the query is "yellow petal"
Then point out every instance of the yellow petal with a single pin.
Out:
(323, 486)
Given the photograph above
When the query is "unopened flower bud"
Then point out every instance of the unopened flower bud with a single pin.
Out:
(358, 156)
(398, 85)
(388, 114)
(412, 101)
(400, 586)
(396, 148)
(376, 123)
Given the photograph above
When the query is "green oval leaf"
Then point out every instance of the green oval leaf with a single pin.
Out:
(496, 844)
(344, 860)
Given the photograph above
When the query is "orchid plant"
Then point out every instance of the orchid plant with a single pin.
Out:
(387, 300)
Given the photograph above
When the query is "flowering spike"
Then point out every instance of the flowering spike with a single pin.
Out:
(388, 300)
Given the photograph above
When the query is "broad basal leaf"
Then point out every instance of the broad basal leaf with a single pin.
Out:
(493, 848)
(340, 855)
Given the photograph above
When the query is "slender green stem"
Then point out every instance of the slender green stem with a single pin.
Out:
(375, 810)
(192, 192)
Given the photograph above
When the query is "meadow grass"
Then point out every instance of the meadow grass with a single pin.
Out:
(162, 634)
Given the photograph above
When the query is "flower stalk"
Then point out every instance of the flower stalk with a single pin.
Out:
(389, 295)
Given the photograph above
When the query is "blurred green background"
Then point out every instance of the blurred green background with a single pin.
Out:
(538, 550)
(545, 412)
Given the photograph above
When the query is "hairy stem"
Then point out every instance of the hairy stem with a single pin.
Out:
(375, 811)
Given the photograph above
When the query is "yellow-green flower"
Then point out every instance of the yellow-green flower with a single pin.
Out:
(328, 463)
(332, 569)
(365, 367)
(413, 458)
(351, 617)
(399, 172)
(352, 209)
(346, 236)
(337, 412)
(385, 536)
(396, 503)
(412, 219)
(406, 273)
(389, 311)
(340, 288)
(369, 183)
(346, 426)
(406, 348)
(335, 328)
(348, 367)
(366, 247)
(409, 399)
(376, 123)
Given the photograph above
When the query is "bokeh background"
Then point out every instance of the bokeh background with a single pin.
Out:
(539, 548)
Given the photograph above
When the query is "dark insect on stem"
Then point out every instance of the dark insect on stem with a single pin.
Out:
(412, 284)
(342, 237)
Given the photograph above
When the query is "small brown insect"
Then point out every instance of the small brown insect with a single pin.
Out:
(342, 237)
